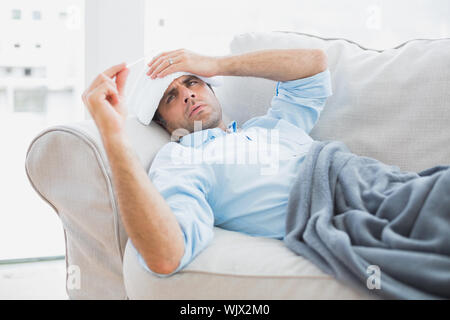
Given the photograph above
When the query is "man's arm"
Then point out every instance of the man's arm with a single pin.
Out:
(147, 218)
(277, 65)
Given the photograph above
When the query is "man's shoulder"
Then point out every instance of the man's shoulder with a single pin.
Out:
(168, 149)
(172, 154)
(260, 121)
(168, 146)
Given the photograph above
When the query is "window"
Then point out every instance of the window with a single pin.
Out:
(41, 82)
(36, 15)
(31, 100)
(27, 72)
(16, 14)
(62, 16)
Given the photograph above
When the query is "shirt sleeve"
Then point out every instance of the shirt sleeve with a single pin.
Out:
(185, 189)
(301, 101)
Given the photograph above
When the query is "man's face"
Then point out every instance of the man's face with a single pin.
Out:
(179, 105)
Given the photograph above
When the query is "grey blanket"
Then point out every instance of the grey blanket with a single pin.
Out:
(371, 225)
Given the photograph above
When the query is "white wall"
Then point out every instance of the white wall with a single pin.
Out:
(28, 226)
(208, 26)
(114, 34)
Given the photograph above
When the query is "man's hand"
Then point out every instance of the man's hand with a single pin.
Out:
(182, 60)
(105, 100)
(276, 64)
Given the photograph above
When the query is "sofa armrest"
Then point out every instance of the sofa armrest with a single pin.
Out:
(68, 168)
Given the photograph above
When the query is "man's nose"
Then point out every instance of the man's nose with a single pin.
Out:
(189, 95)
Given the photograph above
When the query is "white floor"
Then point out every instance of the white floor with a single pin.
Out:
(35, 280)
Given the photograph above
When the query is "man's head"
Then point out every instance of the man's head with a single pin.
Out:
(189, 99)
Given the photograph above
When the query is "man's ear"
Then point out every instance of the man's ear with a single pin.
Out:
(210, 88)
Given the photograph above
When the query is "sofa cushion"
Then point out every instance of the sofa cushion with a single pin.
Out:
(237, 266)
(392, 105)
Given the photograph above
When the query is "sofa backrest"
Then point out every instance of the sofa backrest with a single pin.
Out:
(392, 105)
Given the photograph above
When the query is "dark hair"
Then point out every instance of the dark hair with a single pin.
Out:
(160, 120)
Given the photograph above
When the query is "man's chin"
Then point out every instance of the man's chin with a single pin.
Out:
(201, 117)
(203, 123)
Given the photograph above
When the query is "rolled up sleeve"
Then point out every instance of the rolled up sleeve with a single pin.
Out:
(301, 101)
(185, 191)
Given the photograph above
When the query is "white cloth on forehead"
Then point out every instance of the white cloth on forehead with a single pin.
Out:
(147, 92)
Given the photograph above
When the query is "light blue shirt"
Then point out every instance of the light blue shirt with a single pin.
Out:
(240, 179)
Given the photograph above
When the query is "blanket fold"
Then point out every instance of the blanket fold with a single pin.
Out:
(371, 225)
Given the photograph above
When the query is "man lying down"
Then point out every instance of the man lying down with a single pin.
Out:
(346, 213)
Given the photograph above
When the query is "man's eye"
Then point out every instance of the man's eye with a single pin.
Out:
(169, 99)
(192, 81)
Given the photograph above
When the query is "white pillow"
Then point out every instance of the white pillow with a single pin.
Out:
(392, 105)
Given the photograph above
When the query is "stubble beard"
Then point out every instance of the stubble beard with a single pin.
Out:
(208, 122)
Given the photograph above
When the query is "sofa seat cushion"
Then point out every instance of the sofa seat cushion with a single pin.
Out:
(237, 266)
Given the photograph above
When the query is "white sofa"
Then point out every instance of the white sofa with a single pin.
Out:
(393, 105)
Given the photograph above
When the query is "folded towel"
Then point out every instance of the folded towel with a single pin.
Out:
(147, 92)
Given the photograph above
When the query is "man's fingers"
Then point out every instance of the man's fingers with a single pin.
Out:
(163, 58)
(156, 61)
(96, 85)
(163, 54)
(105, 91)
(121, 80)
(157, 64)
(156, 58)
(110, 93)
(107, 74)
(167, 71)
(101, 78)
(111, 72)
(104, 78)
(163, 65)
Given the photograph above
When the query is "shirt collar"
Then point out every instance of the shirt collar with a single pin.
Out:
(198, 138)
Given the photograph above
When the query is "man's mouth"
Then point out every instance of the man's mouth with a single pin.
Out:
(196, 110)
